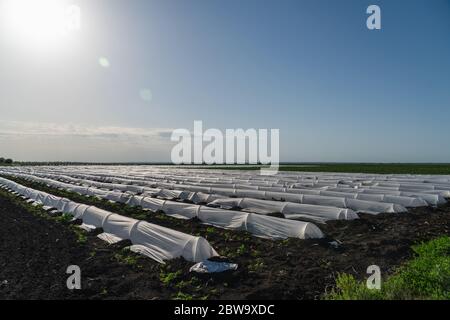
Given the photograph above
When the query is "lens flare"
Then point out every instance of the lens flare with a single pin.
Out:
(103, 62)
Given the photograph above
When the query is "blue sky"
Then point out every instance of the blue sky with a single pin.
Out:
(336, 90)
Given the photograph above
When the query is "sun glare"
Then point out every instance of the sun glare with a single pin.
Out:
(39, 24)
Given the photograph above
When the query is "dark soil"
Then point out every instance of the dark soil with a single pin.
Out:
(35, 252)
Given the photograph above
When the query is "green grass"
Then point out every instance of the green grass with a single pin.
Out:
(126, 258)
(381, 168)
(182, 296)
(241, 250)
(65, 217)
(257, 265)
(80, 233)
(425, 277)
(168, 278)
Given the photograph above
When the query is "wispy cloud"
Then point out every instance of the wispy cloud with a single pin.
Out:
(18, 129)
(33, 141)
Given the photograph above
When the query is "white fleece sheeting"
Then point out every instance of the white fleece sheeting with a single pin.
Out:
(268, 227)
(156, 242)
(350, 203)
(361, 193)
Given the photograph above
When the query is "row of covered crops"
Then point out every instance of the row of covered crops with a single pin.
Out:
(273, 207)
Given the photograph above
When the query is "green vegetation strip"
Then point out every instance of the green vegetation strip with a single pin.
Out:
(376, 168)
(425, 277)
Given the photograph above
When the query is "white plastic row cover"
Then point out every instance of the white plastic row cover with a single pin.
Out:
(261, 226)
(431, 199)
(326, 206)
(248, 177)
(309, 208)
(324, 198)
(388, 195)
(156, 242)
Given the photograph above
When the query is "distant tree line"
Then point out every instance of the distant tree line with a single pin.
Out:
(5, 161)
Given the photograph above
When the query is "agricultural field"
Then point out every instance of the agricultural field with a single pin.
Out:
(137, 231)
(218, 159)
(376, 168)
